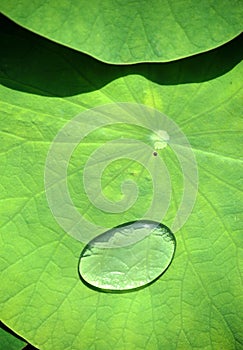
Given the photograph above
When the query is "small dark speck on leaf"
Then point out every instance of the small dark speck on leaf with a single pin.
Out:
(155, 153)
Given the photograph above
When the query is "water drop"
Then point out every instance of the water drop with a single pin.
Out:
(128, 256)
(160, 139)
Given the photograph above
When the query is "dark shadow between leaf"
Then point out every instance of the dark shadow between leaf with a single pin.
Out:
(33, 64)
(29, 347)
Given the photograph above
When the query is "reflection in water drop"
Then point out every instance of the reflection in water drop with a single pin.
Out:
(128, 256)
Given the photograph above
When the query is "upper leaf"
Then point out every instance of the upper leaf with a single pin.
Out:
(131, 31)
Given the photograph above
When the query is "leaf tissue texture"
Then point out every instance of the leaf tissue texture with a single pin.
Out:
(197, 303)
(135, 31)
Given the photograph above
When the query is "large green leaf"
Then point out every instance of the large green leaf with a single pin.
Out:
(134, 31)
(196, 303)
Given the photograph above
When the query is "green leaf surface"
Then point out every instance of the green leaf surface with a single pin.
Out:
(197, 303)
(9, 341)
(134, 31)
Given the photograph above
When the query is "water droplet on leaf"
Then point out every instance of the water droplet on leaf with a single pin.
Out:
(128, 256)
(160, 139)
